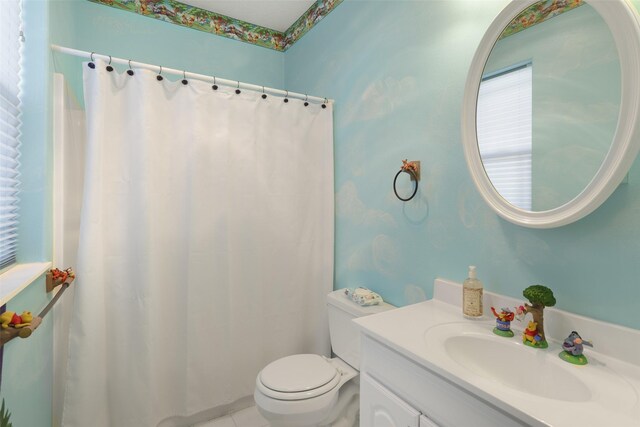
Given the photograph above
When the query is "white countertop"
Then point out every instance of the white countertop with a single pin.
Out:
(614, 384)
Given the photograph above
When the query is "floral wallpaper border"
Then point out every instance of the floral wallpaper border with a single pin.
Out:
(196, 18)
(538, 13)
(178, 13)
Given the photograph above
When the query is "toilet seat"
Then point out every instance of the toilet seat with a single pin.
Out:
(298, 377)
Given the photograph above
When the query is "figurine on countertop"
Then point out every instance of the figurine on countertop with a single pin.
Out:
(503, 322)
(10, 318)
(531, 336)
(539, 297)
(572, 347)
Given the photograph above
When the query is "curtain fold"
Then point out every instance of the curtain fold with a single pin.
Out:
(206, 246)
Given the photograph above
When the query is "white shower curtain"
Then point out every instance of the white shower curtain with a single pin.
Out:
(206, 246)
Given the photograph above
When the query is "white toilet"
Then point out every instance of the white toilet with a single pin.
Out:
(306, 390)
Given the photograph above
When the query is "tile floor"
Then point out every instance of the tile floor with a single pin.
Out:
(249, 417)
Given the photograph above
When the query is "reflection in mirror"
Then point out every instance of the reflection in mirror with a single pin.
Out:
(548, 104)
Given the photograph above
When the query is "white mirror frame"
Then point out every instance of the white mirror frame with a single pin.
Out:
(624, 23)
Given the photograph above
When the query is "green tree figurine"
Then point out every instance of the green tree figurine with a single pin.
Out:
(539, 297)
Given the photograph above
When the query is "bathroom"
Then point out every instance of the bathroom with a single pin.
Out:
(395, 72)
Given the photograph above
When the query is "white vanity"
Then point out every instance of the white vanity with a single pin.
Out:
(425, 365)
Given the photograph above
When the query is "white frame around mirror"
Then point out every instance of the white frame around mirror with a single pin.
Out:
(624, 23)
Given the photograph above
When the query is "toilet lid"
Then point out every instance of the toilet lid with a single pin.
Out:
(298, 373)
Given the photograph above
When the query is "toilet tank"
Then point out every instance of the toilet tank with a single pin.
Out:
(345, 335)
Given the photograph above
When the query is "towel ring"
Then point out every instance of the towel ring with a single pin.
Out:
(415, 177)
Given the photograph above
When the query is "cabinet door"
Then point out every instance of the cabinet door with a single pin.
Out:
(426, 422)
(381, 408)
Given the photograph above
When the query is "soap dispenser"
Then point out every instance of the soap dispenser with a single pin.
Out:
(472, 295)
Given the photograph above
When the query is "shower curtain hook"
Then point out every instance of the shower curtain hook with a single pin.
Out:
(109, 67)
(130, 71)
(159, 76)
(238, 88)
(215, 86)
(264, 95)
(306, 100)
(324, 104)
(91, 64)
(286, 97)
(184, 78)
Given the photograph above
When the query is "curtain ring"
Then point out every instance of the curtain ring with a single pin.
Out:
(286, 97)
(215, 86)
(324, 104)
(184, 78)
(306, 100)
(264, 95)
(109, 67)
(238, 88)
(91, 64)
(415, 190)
(159, 76)
(130, 71)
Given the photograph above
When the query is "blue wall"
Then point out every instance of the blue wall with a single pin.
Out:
(397, 72)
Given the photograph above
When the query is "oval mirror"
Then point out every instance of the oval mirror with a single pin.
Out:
(550, 116)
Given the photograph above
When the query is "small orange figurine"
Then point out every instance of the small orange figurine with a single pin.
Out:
(61, 276)
(503, 322)
(57, 277)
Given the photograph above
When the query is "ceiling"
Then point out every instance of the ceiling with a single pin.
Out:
(274, 14)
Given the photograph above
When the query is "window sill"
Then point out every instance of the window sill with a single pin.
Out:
(18, 277)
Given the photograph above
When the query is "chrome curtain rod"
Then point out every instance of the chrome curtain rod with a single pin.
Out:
(187, 74)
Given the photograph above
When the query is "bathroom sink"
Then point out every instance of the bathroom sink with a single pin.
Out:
(471, 349)
(516, 366)
(461, 373)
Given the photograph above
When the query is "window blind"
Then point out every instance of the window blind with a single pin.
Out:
(504, 127)
(10, 122)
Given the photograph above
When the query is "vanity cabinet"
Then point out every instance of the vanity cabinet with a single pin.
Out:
(396, 392)
(379, 407)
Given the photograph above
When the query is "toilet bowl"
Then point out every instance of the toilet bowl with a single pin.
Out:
(310, 390)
